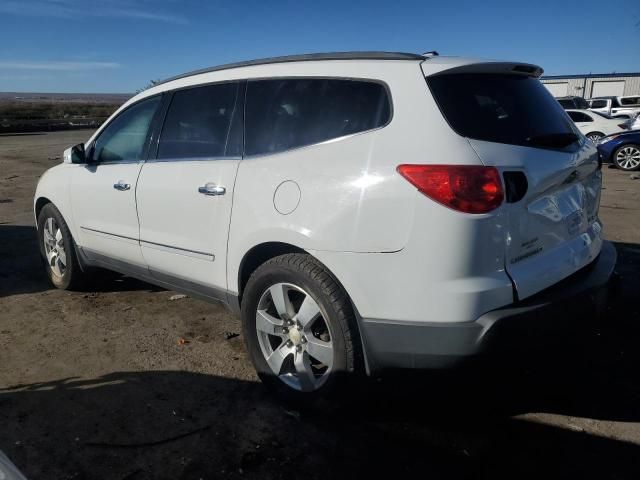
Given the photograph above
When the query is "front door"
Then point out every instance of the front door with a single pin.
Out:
(185, 193)
(103, 190)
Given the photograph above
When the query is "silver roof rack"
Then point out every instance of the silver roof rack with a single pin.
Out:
(305, 58)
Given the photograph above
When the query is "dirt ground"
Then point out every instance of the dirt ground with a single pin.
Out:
(95, 385)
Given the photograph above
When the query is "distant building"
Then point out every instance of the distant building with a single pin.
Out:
(593, 84)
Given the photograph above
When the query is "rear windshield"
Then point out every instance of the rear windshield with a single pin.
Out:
(508, 109)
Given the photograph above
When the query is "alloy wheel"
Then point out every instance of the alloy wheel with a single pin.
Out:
(628, 157)
(294, 337)
(54, 247)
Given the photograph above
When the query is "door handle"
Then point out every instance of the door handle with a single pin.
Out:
(121, 186)
(212, 189)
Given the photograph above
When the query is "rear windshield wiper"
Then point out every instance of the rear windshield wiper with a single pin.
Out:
(553, 140)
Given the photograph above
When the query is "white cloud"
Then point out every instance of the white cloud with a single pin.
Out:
(134, 9)
(57, 66)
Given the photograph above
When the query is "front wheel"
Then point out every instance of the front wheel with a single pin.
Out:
(595, 136)
(627, 157)
(300, 328)
(58, 250)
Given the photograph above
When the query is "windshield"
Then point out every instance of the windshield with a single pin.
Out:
(510, 109)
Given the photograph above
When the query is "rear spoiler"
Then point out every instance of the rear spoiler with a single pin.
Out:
(524, 69)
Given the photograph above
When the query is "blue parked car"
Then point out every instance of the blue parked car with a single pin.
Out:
(621, 149)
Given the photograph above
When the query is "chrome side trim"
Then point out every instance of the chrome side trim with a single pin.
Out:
(109, 235)
(179, 251)
(191, 159)
(158, 246)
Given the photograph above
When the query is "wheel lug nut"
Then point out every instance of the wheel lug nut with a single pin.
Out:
(289, 343)
(285, 330)
(299, 348)
(303, 339)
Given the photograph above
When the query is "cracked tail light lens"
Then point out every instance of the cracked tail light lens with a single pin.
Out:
(465, 188)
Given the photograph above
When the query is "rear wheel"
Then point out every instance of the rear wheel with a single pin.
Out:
(627, 157)
(58, 249)
(300, 328)
(595, 136)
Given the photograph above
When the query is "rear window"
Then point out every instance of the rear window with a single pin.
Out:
(288, 113)
(507, 109)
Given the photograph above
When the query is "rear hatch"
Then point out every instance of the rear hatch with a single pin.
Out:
(552, 177)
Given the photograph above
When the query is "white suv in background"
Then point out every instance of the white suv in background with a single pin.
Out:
(359, 210)
(596, 125)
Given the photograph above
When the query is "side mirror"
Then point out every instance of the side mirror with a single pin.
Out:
(75, 154)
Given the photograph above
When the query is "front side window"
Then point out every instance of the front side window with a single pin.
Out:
(198, 122)
(125, 137)
(288, 113)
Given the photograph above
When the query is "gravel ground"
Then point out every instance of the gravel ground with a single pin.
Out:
(120, 382)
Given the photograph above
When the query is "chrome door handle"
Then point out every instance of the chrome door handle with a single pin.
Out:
(121, 186)
(212, 189)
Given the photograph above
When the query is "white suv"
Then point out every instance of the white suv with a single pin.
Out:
(360, 210)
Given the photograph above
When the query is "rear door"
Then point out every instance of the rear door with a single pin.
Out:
(185, 189)
(552, 178)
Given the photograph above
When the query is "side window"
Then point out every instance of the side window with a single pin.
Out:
(125, 137)
(288, 113)
(580, 117)
(630, 101)
(598, 103)
(198, 122)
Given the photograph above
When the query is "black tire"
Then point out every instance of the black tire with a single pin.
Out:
(71, 276)
(594, 136)
(310, 275)
(620, 163)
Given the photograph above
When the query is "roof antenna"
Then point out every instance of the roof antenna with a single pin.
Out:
(430, 54)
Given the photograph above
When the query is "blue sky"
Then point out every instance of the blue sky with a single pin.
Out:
(119, 45)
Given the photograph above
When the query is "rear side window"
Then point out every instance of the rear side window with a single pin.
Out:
(509, 109)
(198, 122)
(289, 113)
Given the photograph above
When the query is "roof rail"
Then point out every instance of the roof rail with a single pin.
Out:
(431, 53)
(304, 58)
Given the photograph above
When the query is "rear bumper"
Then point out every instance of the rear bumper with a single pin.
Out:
(565, 305)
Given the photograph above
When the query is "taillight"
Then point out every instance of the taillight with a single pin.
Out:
(466, 188)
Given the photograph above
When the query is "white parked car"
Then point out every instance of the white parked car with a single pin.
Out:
(359, 210)
(617, 107)
(595, 125)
